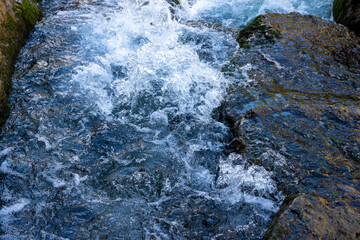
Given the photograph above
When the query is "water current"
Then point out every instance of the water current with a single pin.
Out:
(113, 131)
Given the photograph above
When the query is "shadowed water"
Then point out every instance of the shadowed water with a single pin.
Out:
(113, 133)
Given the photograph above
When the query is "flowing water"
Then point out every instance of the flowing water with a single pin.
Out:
(113, 131)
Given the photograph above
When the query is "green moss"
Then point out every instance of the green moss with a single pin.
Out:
(10, 24)
(275, 33)
(258, 29)
(174, 2)
(30, 13)
(279, 232)
(290, 198)
(338, 9)
(4, 112)
(15, 30)
(245, 45)
(255, 25)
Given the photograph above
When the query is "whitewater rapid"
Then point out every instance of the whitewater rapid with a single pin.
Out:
(114, 131)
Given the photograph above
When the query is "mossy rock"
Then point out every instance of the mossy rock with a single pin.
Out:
(338, 8)
(173, 5)
(257, 32)
(20, 18)
(173, 2)
(29, 12)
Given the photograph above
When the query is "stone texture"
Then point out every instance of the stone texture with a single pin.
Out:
(313, 217)
(294, 108)
(17, 18)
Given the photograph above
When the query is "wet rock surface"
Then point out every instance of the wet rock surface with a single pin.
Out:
(295, 110)
(313, 217)
(347, 12)
(17, 18)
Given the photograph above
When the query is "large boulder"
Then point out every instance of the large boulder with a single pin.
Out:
(17, 18)
(294, 108)
(347, 12)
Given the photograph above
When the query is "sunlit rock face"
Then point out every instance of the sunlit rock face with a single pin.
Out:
(295, 110)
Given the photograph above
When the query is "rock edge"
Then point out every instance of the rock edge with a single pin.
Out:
(17, 19)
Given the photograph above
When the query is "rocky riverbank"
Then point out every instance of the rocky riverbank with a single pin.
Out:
(295, 111)
(293, 108)
(17, 18)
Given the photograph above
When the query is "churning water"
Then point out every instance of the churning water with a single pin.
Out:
(112, 133)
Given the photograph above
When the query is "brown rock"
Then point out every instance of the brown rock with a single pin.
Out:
(17, 18)
(299, 76)
(313, 217)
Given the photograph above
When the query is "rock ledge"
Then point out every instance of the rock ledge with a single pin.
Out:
(295, 110)
(17, 18)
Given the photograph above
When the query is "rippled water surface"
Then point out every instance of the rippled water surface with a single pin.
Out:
(114, 134)
(239, 13)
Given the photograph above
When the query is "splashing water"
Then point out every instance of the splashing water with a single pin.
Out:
(239, 13)
(112, 134)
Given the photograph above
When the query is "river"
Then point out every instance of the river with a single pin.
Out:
(114, 132)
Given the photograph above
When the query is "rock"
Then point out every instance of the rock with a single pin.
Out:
(17, 18)
(347, 12)
(295, 106)
(173, 2)
(79, 2)
(313, 217)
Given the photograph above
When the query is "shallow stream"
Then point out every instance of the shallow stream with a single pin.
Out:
(113, 132)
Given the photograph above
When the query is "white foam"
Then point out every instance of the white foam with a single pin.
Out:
(16, 207)
(48, 145)
(277, 5)
(239, 183)
(159, 117)
(93, 79)
(6, 168)
(270, 59)
(157, 61)
(77, 179)
(241, 12)
(56, 182)
(6, 151)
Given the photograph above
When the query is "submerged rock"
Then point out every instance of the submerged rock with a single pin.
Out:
(347, 12)
(295, 109)
(17, 18)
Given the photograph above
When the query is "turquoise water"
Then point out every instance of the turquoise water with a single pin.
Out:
(238, 13)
